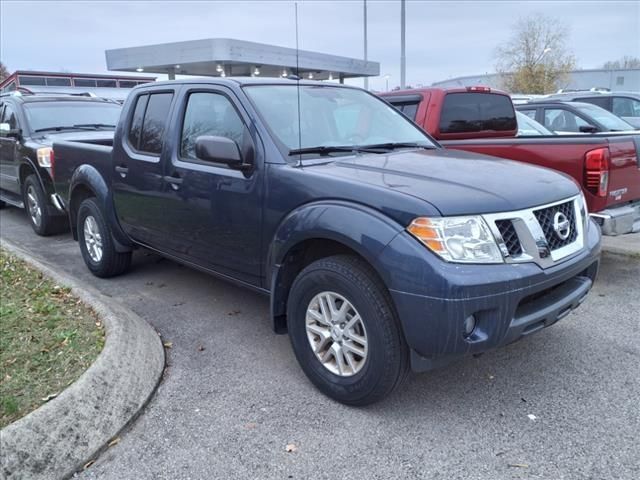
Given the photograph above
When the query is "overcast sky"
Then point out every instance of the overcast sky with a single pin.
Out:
(444, 39)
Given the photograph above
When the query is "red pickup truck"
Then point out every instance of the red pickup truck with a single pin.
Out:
(482, 120)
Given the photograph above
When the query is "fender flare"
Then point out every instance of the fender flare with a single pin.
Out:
(31, 165)
(88, 177)
(362, 229)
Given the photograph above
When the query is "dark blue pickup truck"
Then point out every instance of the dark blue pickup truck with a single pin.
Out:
(379, 249)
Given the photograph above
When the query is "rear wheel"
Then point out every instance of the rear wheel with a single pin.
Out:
(344, 331)
(35, 203)
(96, 243)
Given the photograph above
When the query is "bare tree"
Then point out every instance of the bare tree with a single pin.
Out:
(624, 62)
(535, 59)
(4, 73)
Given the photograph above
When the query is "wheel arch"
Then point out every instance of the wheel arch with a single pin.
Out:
(87, 182)
(320, 230)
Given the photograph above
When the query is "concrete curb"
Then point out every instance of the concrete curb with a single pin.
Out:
(59, 437)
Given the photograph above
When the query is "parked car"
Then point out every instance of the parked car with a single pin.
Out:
(28, 126)
(379, 249)
(482, 120)
(528, 127)
(625, 105)
(570, 118)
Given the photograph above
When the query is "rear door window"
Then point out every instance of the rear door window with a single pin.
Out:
(467, 112)
(136, 121)
(626, 107)
(531, 113)
(148, 122)
(560, 120)
(410, 110)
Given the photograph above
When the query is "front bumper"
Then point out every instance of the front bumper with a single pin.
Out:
(619, 220)
(509, 301)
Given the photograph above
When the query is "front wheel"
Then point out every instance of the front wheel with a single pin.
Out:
(96, 244)
(42, 222)
(345, 332)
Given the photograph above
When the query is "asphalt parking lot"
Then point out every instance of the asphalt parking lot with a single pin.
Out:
(562, 404)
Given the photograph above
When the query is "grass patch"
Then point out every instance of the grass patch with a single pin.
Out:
(48, 338)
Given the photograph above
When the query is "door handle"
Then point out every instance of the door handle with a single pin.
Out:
(175, 182)
(122, 170)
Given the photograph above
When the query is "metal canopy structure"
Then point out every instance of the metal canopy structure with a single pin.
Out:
(229, 57)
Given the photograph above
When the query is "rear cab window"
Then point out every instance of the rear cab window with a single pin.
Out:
(473, 112)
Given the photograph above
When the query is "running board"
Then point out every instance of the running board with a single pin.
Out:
(11, 199)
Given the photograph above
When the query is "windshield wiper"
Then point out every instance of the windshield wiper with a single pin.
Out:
(374, 148)
(393, 146)
(94, 125)
(68, 127)
(323, 149)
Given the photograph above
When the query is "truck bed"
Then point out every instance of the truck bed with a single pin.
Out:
(70, 154)
(567, 154)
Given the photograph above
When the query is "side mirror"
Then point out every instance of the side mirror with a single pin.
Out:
(588, 129)
(6, 131)
(218, 150)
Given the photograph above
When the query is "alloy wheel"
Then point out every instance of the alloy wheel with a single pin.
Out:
(336, 334)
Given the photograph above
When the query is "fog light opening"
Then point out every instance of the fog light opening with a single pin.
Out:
(469, 326)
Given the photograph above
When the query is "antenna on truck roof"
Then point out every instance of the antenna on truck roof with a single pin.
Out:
(297, 79)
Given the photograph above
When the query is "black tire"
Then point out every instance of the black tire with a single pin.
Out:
(112, 262)
(42, 222)
(387, 360)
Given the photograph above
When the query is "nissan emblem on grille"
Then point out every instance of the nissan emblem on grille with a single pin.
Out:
(561, 225)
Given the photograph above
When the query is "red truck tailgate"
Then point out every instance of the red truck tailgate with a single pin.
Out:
(624, 176)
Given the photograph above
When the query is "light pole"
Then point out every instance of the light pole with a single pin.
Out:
(544, 71)
(386, 78)
(366, 79)
(403, 60)
(544, 52)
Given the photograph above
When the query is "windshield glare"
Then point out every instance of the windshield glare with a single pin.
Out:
(65, 114)
(331, 116)
(606, 118)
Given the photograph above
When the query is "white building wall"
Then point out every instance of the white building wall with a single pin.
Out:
(616, 80)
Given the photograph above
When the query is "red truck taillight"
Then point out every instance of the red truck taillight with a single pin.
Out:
(597, 171)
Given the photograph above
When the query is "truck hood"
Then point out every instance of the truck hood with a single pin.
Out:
(456, 182)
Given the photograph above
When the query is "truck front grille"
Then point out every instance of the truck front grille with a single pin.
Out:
(510, 237)
(544, 235)
(547, 219)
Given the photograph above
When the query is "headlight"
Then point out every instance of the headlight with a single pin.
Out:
(457, 239)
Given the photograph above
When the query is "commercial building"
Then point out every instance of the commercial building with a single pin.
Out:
(229, 57)
(111, 86)
(615, 80)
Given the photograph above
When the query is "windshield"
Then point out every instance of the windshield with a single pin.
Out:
(51, 115)
(331, 116)
(527, 126)
(604, 117)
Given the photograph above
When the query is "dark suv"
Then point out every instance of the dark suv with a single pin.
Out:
(625, 105)
(28, 126)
